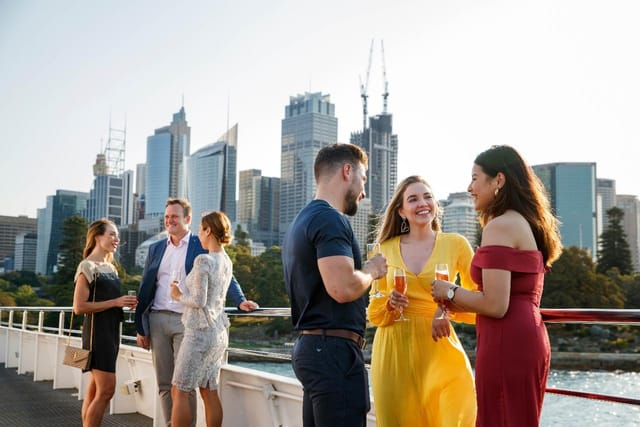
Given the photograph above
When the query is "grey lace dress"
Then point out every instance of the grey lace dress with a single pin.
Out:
(205, 323)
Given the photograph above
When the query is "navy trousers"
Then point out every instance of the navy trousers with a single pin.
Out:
(335, 382)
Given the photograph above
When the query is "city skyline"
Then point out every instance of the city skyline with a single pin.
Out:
(556, 81)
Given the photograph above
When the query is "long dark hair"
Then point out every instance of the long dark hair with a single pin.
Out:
(524, 193)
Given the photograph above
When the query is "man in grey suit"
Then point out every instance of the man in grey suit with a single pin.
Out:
(158, 317)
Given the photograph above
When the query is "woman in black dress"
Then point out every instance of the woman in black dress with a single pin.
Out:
(97, 273)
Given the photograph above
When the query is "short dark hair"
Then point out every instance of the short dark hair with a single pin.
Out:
(331, 157)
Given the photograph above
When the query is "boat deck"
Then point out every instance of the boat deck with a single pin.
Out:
(28, 403)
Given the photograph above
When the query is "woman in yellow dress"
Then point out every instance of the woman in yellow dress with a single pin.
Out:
(420, 373)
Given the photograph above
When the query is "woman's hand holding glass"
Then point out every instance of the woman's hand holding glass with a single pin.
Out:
(398, 297)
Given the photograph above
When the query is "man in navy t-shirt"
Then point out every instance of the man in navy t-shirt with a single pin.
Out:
(327, 286)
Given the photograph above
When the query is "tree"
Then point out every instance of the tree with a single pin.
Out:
(269, 279)
(74, 230)
(241, 236)
(573, 283)
(614, 250)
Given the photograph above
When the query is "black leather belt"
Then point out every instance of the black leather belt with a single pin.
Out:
(340, 333)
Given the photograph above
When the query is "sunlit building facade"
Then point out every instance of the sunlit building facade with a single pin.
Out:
(308, 126)
(630, 205)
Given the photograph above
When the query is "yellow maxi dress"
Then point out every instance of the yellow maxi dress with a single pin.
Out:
(416, 381)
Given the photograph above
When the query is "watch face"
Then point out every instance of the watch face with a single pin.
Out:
(450, 293)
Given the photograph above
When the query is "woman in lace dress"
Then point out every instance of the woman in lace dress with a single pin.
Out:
(205, 324)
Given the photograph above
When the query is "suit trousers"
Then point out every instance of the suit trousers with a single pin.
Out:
(167, 331)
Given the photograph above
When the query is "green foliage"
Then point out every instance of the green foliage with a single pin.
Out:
(241, 236)
(7, 286)
(74, 231)
(615, 251)
(269, 280)
(7, 300)
(17, 278)
(573, 283)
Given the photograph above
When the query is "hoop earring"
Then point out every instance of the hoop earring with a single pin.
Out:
(404, 226)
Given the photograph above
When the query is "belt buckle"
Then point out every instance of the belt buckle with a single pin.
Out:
(363, 343)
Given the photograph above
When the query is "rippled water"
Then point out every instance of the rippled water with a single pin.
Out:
(565, 411)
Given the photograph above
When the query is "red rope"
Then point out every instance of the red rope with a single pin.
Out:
(594, 396)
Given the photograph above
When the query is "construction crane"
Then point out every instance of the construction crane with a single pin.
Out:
(364, 88)
(385, 94)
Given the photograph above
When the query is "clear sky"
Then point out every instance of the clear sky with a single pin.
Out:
(557, 79)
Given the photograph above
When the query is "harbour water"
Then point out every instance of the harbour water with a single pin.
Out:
(565, 411)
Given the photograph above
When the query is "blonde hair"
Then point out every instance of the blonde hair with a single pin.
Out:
(97, 228)
(391, 222)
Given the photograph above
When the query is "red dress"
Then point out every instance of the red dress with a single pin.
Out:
(513, 354)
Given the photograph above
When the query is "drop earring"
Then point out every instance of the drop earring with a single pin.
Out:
(404, 226)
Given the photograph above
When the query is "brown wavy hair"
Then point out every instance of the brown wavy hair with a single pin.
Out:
(390, 223)
(97, 228)
(219, 225)
(524, 193)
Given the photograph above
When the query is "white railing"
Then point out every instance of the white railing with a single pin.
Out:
(249, 397)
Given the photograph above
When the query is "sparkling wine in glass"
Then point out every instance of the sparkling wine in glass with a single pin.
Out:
(372, 250)
(130, 310)
(400, 285)
(176, 276)
(442, 272)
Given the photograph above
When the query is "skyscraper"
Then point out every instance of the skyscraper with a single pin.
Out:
(106, 196)
(381, 145)
(460, 216)
(25, 252)
(246, 196)
(211, 176)
(59, 207)
(572, 192)
(259, 206)
(167, 150)
(10, 227)
(309, 124)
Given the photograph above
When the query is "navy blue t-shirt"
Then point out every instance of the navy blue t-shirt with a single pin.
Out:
(320, 231)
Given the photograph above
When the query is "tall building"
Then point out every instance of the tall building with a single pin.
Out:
(10, 227)
(167, 150)
(59, 207)
(261, 208)
(25, 252)
(572, 191)
(360, 223)
(211, 176)
(246, 196)
(606, 199)
(459, 216)
(381, 145)
(106, 196)
(309, 124)
(630, 205)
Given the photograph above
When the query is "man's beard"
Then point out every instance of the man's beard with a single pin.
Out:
(351, 203)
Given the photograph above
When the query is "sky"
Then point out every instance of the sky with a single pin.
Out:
(557, 79)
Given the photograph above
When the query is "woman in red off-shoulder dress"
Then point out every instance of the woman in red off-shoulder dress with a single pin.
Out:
(520, 240)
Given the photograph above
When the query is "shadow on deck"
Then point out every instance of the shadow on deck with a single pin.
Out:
(28, 403)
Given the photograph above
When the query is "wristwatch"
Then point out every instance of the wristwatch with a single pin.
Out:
(451, 293)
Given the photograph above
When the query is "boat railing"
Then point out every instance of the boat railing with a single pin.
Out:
(19, 324)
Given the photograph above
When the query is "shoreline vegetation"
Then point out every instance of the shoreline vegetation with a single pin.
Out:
(573, 347)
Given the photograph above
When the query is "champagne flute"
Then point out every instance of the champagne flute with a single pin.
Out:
(442, 273)
(129, 309)
(175, 280)
(372, 250)
(400, 285)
